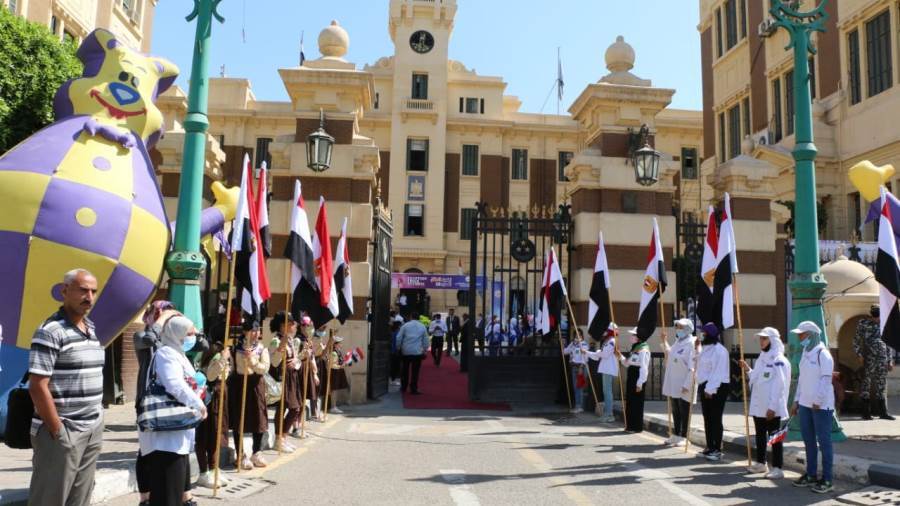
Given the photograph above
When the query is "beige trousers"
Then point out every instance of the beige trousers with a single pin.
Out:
(64, 468)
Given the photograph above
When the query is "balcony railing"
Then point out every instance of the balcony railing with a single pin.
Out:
(417, 104)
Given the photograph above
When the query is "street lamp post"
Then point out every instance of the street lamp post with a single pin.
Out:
(185, 263)
(807, 283)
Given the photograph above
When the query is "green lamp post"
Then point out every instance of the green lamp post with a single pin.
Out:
(807, 283)
(185, 263)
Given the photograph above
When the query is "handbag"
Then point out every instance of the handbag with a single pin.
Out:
(19, 410)
(159, 411)
(273, 390)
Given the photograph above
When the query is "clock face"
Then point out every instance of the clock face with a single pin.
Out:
(421, 41)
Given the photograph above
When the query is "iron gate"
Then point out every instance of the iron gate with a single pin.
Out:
(505, 279)
(690, 235)
(379, 362)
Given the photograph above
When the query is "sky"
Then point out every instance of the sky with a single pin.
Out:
(514, 39)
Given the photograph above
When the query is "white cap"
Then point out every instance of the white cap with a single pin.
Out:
(633, 331)
(769, 332)
(684, 322)
(338, 339)
(807, 327)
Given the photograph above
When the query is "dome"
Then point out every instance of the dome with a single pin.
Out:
(334, 41)
(843, 274)
(620, 56)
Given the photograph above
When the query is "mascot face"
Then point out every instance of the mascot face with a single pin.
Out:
(119, 87)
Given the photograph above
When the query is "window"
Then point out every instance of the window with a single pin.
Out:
(812, 77)
(482, 106)
(377, 99)
(262, 152)
(688, 163)
(416, 154)
(470, 160)
(520, 164)
(420, 86)
(878, 57)
(854, 77)
(467, 223)
(789, 103)
(54, 24)
(730, 24)
(472, 105)
(13, 6)
(462, 105)
(719, 50)
(734, 131)
(414, 224)
(722, 153)
(743, 14)
(565, 157)
(746, 110)
(775, 134)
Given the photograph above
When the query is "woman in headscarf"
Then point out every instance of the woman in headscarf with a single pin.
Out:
(166, 453)
(608, 367)
(713, 379)
(216, 365)
(678, 382)
(638, 366)
(282, 348)
(252, 361)
(770, 382)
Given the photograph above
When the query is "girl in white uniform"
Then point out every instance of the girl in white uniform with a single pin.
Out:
(713, 377)
(638, 366)
(577, 351)
(608, 368)
(679, 382)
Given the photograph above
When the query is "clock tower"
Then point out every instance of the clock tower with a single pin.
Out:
(420, 30)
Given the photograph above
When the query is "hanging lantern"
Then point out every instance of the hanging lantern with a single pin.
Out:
(319, 146)
(645, 160)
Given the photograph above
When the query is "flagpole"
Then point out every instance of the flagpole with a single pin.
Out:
(612, 316)
(562, 354)
(328, 373)
(574, 325)
(691, 396)
(287, 306)
(240, 449)
(737, 304)
(222, 382)
(662, 316)
(307, 371)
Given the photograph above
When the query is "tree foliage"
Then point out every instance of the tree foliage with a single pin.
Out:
(33, 64)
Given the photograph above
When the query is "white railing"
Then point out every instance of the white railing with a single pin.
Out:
(418, 105)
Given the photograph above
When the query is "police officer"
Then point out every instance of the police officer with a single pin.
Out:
(877, 359)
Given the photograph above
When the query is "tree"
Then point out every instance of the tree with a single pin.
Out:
(34, 63)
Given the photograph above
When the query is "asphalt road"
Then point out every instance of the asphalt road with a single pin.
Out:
(382, 454)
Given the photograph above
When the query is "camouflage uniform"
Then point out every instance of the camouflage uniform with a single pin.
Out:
(877, 357)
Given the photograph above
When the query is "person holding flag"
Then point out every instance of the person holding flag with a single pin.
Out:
(770, 383)
(678, 382)
(247, 242)
(553, 293)
(638, 366)
(608, 369)
(578, 358)
(713, 376)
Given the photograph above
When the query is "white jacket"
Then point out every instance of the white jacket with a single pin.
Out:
(171, 369)
(814, 384)
(607, 357)
(579, 354)
(639, 359)
(770, 382)
(713, 368)
(681, 360)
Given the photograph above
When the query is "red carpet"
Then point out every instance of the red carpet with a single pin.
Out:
(445, 387)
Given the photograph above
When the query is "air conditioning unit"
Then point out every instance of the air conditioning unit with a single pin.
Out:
(767, 28)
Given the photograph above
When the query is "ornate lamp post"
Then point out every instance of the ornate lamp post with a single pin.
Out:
(185, 263)
(644, 160)
(807, 283)
(318, 147)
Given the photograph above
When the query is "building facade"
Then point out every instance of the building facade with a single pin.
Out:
(130, 20)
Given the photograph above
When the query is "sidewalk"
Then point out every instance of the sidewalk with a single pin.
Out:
(869, 456)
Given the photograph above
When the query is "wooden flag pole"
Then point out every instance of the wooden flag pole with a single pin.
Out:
(307, 371)
(562, 354)
(691, 396)
(662, 316)
(574, 325)
(330, 350)
(612, 316)
(737, 304)
(222, 386)
(287, 311)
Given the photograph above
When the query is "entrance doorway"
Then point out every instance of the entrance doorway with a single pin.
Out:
(417, 299)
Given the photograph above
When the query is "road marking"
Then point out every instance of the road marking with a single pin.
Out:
(460, 491)
(661, 477)
(535, 459)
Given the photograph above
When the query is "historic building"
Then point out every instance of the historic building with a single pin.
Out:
(130, 20)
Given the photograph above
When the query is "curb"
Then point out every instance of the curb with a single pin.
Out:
(845, 467)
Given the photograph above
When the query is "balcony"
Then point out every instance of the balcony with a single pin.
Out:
(418, 108)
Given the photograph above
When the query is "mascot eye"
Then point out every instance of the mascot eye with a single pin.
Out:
(135, 81)
(123, 76)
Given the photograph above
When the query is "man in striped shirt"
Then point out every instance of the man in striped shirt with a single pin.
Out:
(66, 367)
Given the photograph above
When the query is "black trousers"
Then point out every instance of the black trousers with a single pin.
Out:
(764, 429)
(634, 407)
(408, 362)
(681, 409)
(437, 348)
(713, 410)
(395, 366)
(452, 342)
(169, 476)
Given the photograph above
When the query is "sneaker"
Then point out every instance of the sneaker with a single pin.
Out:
(579, 410)
(679, 442)
(803, 481)
(205, 480)
(284, 447)
(823, 487)
(775, 474)
(714, 456)
(758, 468)
(703, 454)
(258, 460)
(670, 441)
(246, 464)
(609, 419)
(337, 410)
(189, 502)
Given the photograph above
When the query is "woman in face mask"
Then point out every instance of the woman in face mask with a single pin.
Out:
(713, 378)
(252, 361)
(678, 382)
(167, 453)
(638, 366)
(578, 358)
(608, 368)
(770, 383)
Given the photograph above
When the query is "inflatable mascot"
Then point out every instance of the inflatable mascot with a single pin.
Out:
(82, 193)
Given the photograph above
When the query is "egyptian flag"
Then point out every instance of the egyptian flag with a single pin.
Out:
(299, 250)
(706, 306)
(325, 307)
(653, 287)
(342, 286)
(598, 306)
(779, 435)
(887, 273)
(250, 265)
(726, 268)
(264, 239)
(553, 292)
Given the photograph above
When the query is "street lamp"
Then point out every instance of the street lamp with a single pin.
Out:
(646, 159)
(318, 147)
(807, 283)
